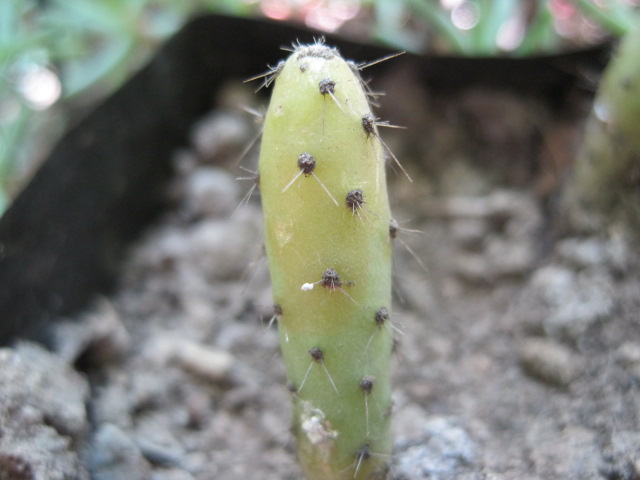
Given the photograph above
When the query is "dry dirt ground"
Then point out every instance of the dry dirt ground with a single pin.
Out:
(520, 352)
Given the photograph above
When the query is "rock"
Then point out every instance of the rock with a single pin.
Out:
(501, 259)
(445, 451)
(547, 361)
(469, 233)
(473, 268)
(171, 474)
(111, 403)
(223, 249)
(213, 249)
(628, 356)
(494, 234)
(113, 455)
(580, 253)
(210, 192)
(410, 420)
(624, 455)
(569, 452)
(159, 452)
(32, 378)
(211, 364)
(220, 133)
(42, 416)
(99, 336)
(510, 258)
(574, 301)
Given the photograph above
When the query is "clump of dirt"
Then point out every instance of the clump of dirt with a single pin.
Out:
(519, 355)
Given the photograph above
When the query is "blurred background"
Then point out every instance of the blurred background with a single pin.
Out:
(60, 56)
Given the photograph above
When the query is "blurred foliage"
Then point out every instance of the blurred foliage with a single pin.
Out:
(87, 48)
(498, 27)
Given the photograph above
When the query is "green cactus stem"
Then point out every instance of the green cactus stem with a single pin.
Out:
(326, 215)
(604, 185)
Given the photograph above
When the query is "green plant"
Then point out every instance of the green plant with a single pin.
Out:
(483, 21)
(328, 240)
(88, 48)
(612, 15)
(604, 186)
(474, 27)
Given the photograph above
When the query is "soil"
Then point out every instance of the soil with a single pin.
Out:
(520, 348)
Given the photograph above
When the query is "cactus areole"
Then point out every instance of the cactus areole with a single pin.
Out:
(326, 215)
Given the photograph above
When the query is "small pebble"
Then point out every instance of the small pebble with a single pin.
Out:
(211, 364)
(222, 250)
(628, 356)
(500, 259)
(510, 258)
(219, 134)
(99, 336)
(201, 360)
(469, 233)
(547, 361)
(579, 253)
(159, 454)
(472, 268)
(114, 455)
(210, 192)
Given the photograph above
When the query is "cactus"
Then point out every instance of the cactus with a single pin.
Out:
(604, 185)
(328, 243)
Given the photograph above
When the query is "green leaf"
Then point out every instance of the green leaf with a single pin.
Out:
(440, 22)
(493, 15)
(540, 35)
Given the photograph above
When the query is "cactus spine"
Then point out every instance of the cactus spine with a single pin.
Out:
(326, 214)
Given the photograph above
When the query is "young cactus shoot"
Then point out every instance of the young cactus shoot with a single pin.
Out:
(326, 214)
